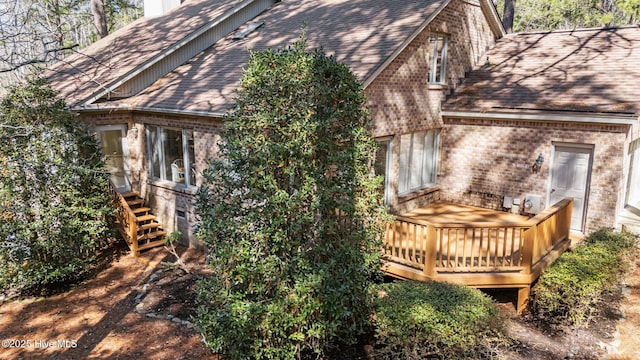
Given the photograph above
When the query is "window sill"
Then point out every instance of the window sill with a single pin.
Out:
(434, 86)
(176, 187)
(418, 193)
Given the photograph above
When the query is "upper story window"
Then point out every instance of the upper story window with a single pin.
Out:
(437, 59)
(418, 160)
(171, 154)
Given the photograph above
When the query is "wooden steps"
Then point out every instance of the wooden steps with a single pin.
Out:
(140, 228)
(151, 245)
(152, 235)
(135, 202)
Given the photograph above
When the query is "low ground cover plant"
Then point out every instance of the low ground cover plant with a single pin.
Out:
(569, 291)
(416, 320)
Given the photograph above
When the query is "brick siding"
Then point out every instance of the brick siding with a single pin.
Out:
(483, 160)
(165, 197)
(402, 102)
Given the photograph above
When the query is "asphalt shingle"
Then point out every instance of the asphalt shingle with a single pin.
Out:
(361, 33)
(591, 70)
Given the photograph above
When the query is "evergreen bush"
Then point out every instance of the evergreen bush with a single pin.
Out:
(435, 320)
(291, 212)
(569, 291)
(53, 190)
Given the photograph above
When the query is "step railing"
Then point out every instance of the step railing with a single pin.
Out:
(126, 218)
(477, 247)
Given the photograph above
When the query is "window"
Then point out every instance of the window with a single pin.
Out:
(437, 59)
(633, 186)
(381, 165)
(171, 154)
(418, 160)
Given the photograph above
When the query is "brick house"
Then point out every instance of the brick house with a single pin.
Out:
(461, 111)
(570, 98)
(156, 91)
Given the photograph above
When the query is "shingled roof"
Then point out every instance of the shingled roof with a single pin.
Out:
(361, 33)
(96, 67)
(586, 71)
(364, 34)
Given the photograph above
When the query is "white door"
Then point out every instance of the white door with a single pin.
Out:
(113, 139)
(632, 202)
(570, 174)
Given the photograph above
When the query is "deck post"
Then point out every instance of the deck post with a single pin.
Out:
(527, 249)
(430, 252)
(133, 234)
(523, 299)
(566, 219)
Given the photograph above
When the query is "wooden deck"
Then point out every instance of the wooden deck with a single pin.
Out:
(477, 247)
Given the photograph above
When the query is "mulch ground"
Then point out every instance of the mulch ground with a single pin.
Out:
(111, 315)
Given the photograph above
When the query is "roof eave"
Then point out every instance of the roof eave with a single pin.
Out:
(493, 17)
(541, 115)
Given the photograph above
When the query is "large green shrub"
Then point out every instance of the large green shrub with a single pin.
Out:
(292, 214)
(569, 291)
(426, 320)
(53, 190)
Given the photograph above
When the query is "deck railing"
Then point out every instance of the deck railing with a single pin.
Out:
(126, 219)
(477, 247)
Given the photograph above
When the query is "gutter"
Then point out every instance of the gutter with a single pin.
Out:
(551, 116)
(150, 110)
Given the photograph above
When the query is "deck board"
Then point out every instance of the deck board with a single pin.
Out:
(442, 212)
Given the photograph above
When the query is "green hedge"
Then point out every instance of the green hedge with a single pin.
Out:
(54, 198)
(425, 320)
(292, 215)
(568, 291)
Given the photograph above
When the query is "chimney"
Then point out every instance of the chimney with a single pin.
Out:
(159, 7)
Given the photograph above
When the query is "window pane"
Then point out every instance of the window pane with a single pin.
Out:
(191, 157)
(418, 160)
(380, 167)
(173, 155)
(154, 150)
(405, 148)
(417, 153)
(429, 166)
(438, 47)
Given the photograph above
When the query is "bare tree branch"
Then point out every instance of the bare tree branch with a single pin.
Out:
(37, 61)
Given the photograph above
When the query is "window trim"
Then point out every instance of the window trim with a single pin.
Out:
(434, 153)
(161, 151)
(433, 59)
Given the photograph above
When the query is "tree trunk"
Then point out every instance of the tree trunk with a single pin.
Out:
(507, 15)
(99, 18)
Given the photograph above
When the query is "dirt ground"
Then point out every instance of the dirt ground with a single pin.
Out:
(131, 309)
(614, 335)
(141, 309)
